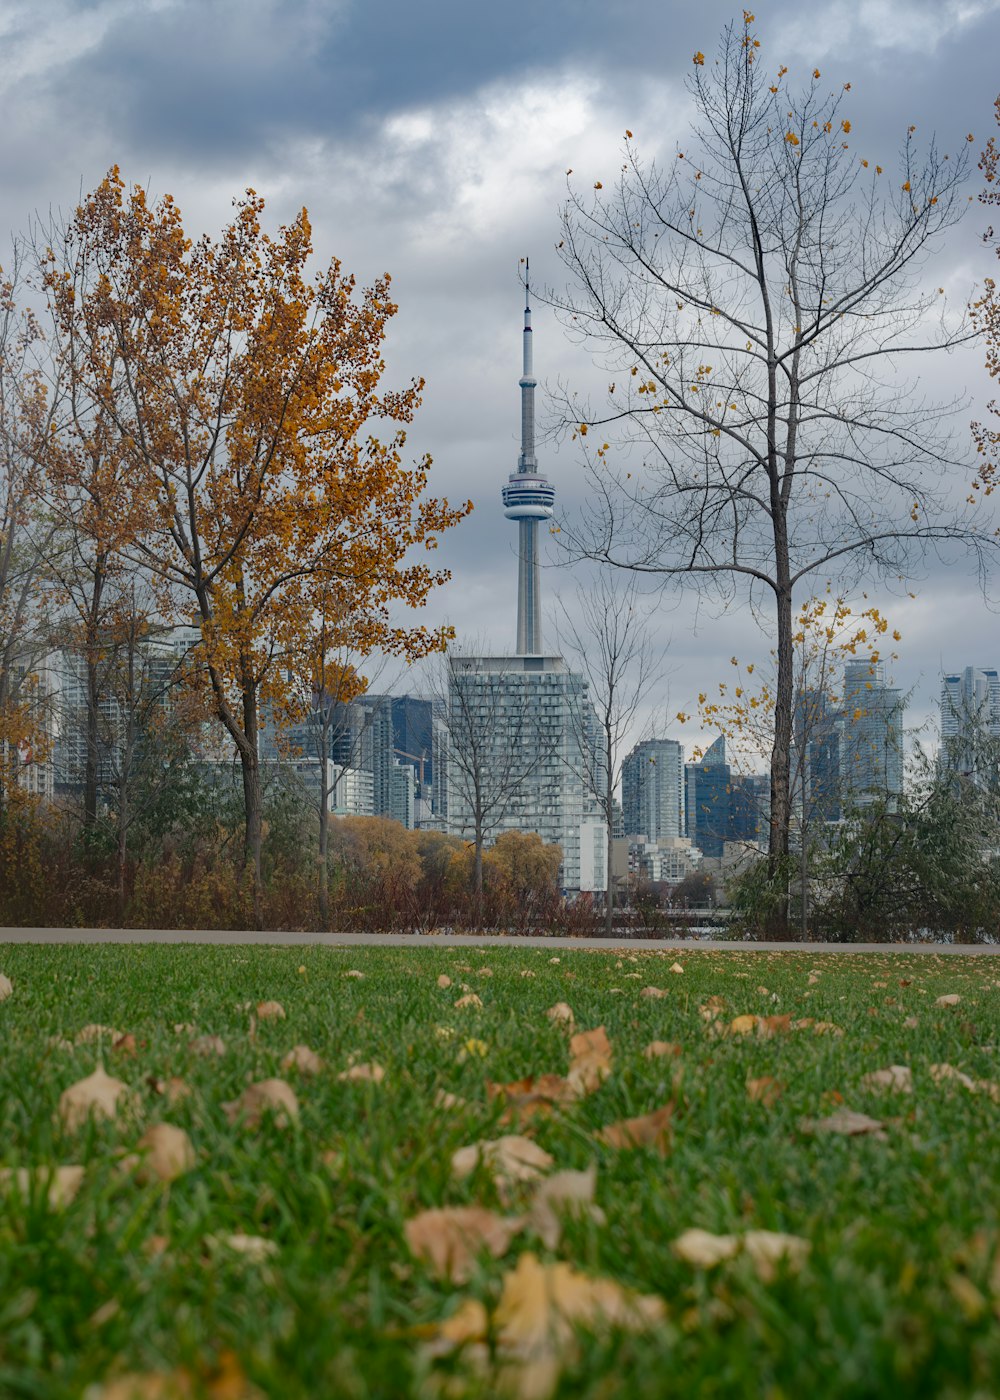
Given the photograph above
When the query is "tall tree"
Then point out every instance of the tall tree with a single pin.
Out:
(25, 417)
(243, 395)
(757, 300)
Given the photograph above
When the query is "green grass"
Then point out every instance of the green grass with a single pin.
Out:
(896, 1297)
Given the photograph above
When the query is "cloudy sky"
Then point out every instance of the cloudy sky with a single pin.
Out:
(431, 141)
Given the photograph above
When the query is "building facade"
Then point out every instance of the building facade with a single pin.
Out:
(653, 790)
(970, 723)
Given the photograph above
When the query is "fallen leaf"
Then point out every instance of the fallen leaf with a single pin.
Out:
(165, 1152)
(676, 967)
(565, 1193)
(444, 980)
(661, 1047)
(766, 1090)
(770, 1026)
(270, 1011)
(61, 1183)
(207, 1045)
(98, 1033)
(943, 1072)
(6, 987)
(473, 1049)
(561, 1014)
(532, 1095)
(450, 1239)
(353, 972)
(470, 999)
(511, 1158)
(897, 1078)
(99, 1094)
(743, 1025)
(303, 1059)
(845, 1122)
(648, 1130)
(949, 999)
(124, 1045)
(589, 1060)
(225, 1381)
(372, 1073)
(911, 1023)
(448, 1101)
(766, 1250)
(272, 1096)
(653, 993)
(254, 1248)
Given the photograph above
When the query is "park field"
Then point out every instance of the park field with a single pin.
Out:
(321, 1172)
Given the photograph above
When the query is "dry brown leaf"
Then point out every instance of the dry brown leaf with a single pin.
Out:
(589, 1060)
(845, 1122)
(254, 1248)
(270, 1011)
(911, 1023)
(165, 1153)
(898, 1079)
(353, 972)
(470, 999)
(62, 1183)
(511, 1158)
(662, 1047)
(949, 999)
(769, 1026)
(445, 1099)
(766, 1090)
(653, 993)
(6, 987)
(98, 1033)
(648, 1130)
(540, 1306)
(766, 1250)
(372, 1073)
(676, 967)
(812, 979)
(450, 1239)
(444, 980)
(942, 1072)
(272, 1096)
(303, 1059)
(227, 1381)
(99, 1094)
(207, 1045)
(561, 1014)
(564, 1193)
(125, 1045)
(743, 1025)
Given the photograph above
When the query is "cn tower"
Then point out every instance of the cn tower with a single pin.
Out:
(528, 498)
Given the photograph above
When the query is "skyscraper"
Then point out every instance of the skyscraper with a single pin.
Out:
(871, 756)
(528, 498)
(708, 788)
(970, 720)
(653, 789)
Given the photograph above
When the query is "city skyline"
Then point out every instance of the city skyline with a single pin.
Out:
(441, 155)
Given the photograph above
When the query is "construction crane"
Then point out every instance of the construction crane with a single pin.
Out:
(420, 758)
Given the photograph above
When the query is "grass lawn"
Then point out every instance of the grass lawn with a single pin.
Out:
(279, 1262)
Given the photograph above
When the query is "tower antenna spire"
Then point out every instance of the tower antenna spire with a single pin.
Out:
(528, 498)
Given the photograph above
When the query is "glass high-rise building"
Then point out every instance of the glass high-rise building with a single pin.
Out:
(653, 789)
(970, 722)
(871, 753)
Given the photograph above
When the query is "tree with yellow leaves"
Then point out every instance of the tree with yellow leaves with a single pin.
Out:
(828, 709)
(759, 299)
(244, 395)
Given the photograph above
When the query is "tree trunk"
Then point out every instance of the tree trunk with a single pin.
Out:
(609, 901)
(91, 645)
(253, 802)
(477, 878)
(781, 768)
(323, 886)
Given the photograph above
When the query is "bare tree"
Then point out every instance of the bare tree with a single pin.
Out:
(494, 744)
(755, 301)
(609, 632)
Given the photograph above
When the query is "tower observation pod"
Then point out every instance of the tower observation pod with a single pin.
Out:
(528, 498)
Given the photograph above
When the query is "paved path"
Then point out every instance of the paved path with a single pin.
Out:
(460, 940)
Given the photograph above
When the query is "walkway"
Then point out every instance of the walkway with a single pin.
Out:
(463, 940)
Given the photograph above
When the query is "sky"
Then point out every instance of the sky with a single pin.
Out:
(432, 142)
